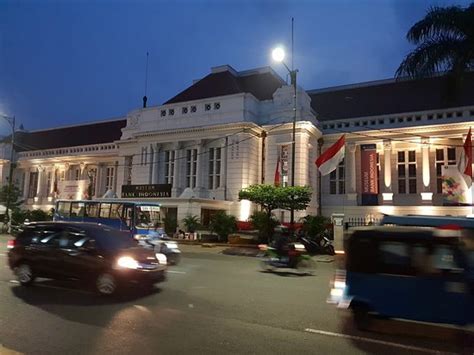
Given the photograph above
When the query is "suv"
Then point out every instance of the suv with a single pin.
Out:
(91, 252)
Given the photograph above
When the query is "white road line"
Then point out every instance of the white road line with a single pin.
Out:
(142, 308)
(375, 341)
(1, 254)
(176, 272)
(14, 281)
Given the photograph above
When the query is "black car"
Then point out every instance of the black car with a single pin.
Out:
(106, 257)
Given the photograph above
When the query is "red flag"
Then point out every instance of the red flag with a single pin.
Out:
(330, 159)
(277, 173)
(465, 160)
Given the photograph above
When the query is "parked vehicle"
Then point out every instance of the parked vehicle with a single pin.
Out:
(324, 246)
(104, 257)
(415, 273)
(296, 258)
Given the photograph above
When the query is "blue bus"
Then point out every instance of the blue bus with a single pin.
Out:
(139, 218)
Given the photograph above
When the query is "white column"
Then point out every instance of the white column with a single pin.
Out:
(387, 194)
(41, 181)
(98, 181)
(425, 154)
(177, 178)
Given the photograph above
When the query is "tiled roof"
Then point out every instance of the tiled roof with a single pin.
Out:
(261, 84)
(91, 133)
(389, 97)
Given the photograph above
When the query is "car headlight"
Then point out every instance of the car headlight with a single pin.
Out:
(139, 236)
(127, 262)
(162, 260)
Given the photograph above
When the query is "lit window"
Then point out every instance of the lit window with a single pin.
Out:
(337, 184)
(406, 167)
(443, 157)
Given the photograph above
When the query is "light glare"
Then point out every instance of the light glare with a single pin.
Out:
(278, 54)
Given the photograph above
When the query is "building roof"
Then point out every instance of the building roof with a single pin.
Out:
(389, 97)
(70, 136)
(224, 80)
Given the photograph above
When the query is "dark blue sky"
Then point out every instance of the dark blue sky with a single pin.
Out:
(65, 62)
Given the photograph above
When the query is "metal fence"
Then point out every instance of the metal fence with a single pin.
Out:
(360, 222)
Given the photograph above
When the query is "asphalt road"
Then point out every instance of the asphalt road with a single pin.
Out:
(211, 304)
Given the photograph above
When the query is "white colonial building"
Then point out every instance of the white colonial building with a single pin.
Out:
(194, 153)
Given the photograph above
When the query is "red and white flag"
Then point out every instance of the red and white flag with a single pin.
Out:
(330, 159)
(465, 160)
(276, 181)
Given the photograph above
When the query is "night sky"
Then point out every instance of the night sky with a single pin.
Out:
(66, 62)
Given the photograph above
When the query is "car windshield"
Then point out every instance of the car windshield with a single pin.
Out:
(113, 239)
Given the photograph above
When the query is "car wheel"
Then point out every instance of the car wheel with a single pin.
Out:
(24, 274)
(266, 265)
(106, 284)
(361, 316)
(173, 259)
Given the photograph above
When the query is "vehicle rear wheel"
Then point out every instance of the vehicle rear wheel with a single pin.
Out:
(266, 265)
(24, 274)
(306, 266)
(361, 316)
(330, 250)
(106, 284)
(174, 258)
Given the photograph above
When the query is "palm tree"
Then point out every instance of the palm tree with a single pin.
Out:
(445, 43)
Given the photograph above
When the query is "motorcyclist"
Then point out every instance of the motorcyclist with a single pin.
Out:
(281, 243)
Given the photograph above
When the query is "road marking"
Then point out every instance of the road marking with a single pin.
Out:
(14, 281)
(176, 272)
(375, 341)
(190, 305)
(2, 254)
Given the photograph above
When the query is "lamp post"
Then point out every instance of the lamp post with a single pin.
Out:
(11, 121)
(278, 54)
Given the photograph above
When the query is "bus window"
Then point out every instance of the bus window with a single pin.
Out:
(64, 209)
(77, 209)
(128, 215)
(92, 210)
(148, 216)
(116, 211)
(104, 210)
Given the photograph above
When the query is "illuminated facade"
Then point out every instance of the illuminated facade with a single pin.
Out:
(230, 129)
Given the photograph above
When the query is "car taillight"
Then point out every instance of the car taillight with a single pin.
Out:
(11, 244)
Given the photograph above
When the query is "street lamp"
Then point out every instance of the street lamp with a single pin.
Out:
(278, 54)
(11, 122)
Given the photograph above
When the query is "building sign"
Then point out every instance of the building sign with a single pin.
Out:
(146, 191)
(455, 189)
(73, 189)
(284, 150)
(368, 170)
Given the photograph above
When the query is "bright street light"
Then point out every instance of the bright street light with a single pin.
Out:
(278, 54)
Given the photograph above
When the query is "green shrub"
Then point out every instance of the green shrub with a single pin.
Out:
(264, 224)
(170, 225)
(223, 224)
(191, 223)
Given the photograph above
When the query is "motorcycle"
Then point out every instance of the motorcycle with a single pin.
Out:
(297, 258)
(162, 244)
(324, 246)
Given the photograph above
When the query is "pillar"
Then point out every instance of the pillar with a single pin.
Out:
(387, 194)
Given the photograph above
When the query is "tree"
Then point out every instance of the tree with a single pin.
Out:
(191, 223)
(223, 224)
(445, 42)
(271, 197)
(14, 193)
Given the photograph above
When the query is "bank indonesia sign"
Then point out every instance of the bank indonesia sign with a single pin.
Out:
(146, 191)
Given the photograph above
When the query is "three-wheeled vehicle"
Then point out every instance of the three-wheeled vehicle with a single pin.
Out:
(415, 273)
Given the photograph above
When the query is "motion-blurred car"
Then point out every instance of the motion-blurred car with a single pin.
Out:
(104, 257)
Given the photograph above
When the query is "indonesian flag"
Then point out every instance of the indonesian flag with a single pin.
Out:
(465, 160)
(330, 159)
(277, 173)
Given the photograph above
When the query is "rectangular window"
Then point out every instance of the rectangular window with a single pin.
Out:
(406, 167)
(92, 210)
(116, 211)
(444, 157)
(214, 168)
(109, 178)
(169, 166)
(104, 210)
(191, 167)
(77, 174)
(394, 258)
(337, 185)
(77, 209)
(48, 184)
(64, 209)
(128, 170)
(33, 186)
